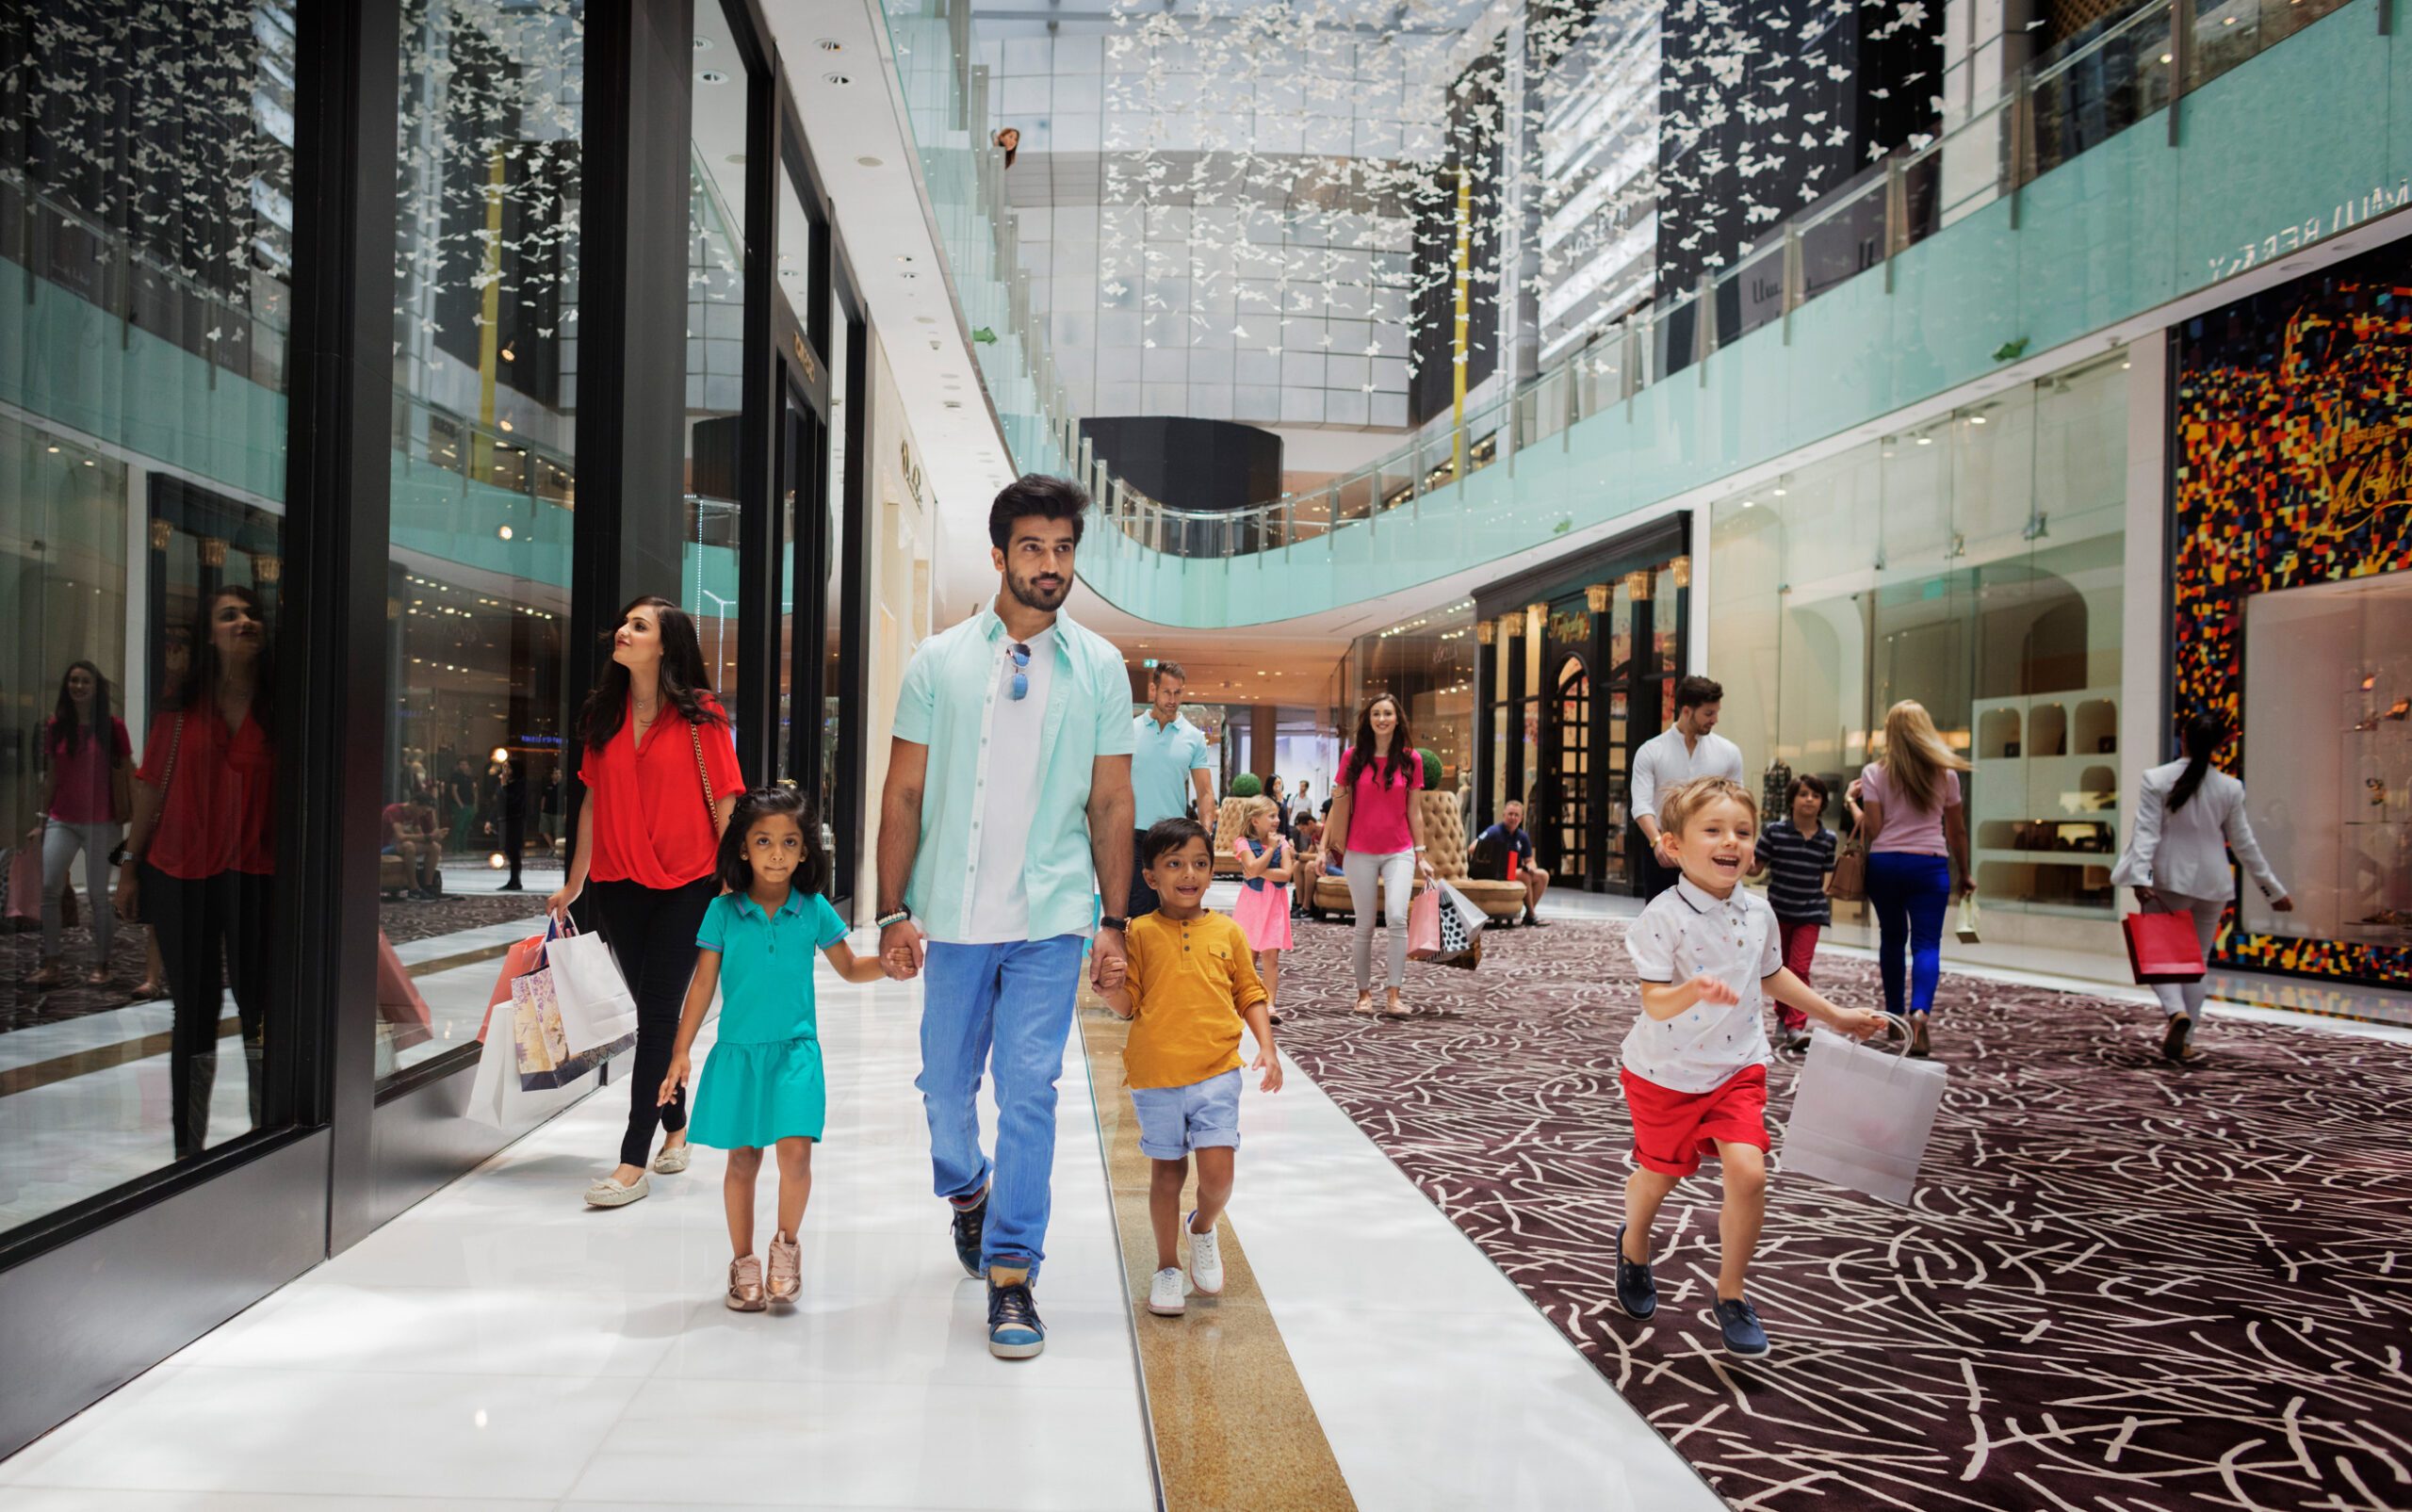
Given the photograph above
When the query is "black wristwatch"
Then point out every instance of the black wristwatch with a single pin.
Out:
(119, 856)
(1115, 922)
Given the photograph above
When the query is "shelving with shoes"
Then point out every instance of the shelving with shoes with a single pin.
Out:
(2043, 798)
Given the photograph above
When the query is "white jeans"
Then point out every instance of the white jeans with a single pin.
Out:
(1396, 873)
(2186, 996)
(60, 842)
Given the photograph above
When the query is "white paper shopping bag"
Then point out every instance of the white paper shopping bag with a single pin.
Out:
(1861, 1116)
(597, 1010)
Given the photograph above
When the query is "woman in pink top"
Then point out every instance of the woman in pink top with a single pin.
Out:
(1906, 806)
(1377, 832)
(86, 754)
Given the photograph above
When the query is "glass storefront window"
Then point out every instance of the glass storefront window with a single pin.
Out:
(830, 528)
(1979, 573)
(2328, 758)
(716, 250)
(149, 264)
(484, 482)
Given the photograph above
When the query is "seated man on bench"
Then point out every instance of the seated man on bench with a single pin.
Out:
(1488, 858)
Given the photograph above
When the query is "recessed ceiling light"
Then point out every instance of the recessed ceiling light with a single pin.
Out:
(870, 162)
(703, 44)
(711, 76)
(738, 158)
(839, 80)
(904, 257)
(918, 319)
(830, 44)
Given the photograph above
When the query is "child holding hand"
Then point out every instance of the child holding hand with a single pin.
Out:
(1695, 1063)
(1262, 912)
(1190, 984)
(762, 1087)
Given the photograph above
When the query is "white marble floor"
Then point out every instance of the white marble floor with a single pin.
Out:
(502, 1346)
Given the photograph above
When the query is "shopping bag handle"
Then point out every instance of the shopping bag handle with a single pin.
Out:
(1900, 1022)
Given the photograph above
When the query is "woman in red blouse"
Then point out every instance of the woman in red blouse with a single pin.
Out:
(648, 837)
(197, 865)
(83, 801)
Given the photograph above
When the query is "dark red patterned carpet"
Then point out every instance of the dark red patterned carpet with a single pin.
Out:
(2122, 1287)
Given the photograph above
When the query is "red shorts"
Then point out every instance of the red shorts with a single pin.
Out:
(1671, 1130)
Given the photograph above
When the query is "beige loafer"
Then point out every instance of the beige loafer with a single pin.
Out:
(607, 1193)
(673, 1159)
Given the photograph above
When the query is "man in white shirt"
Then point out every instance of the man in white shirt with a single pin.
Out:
(1687, 749)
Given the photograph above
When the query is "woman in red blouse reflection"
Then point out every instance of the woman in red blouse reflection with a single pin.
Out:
(660, 790)
(197, 864)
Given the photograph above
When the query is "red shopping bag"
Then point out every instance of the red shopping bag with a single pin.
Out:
(2163, 948)
(399, 1002)
(1424, 926)
(522, 958)
(25, 888)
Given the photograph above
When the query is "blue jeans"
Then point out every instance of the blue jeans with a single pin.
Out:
(1910, 894)
(1007, 1008)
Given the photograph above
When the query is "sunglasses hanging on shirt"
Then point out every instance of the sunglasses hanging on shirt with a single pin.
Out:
(1021, 653)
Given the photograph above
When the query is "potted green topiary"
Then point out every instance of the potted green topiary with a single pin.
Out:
(1431, 769)
(1248, 785)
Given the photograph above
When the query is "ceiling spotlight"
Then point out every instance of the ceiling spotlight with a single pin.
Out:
(904, 257)
(870, 162)
(703, 44)
(505, 532)
(830, 44)
(736, 158)
(838, 80)
(713, 76)
(918, 319)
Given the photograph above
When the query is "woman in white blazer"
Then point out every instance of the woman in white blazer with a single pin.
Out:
(2188, 817)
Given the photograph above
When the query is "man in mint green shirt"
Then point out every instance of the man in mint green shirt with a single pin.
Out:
(1169, 762)
(1006, 814)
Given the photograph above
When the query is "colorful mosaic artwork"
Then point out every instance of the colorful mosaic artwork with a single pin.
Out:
(2293, 427)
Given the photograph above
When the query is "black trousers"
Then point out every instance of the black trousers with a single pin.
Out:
(213, 936)
(1650, 876)
(652, 935)
(514, 839)
(1143, 898)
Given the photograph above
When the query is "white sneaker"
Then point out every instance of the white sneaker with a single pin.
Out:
(1168, 1295)
(1205, 1259)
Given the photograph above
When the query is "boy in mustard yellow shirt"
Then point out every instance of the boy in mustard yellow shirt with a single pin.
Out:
(1191, 982)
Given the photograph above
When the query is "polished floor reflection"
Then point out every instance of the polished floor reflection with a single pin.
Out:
(501, 1346)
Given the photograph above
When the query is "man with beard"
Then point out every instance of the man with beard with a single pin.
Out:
(1169, 769)
(1008, 807)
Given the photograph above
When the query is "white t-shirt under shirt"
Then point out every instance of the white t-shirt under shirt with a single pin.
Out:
(1000, 900)
(1687, 932)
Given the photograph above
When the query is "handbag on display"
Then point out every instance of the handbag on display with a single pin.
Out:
(598, 1011)
(1847, 882)
(1861, 1116)
(2163, 948)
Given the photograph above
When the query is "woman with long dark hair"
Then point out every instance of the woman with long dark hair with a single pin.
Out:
(2189, 814)
(661, 776)
(1377, 837)
(198, 861)
(84, 799)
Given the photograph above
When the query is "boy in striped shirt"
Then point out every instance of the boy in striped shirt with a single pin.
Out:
(1795, 854)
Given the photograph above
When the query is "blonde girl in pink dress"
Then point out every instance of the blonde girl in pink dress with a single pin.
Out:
(1262, 913)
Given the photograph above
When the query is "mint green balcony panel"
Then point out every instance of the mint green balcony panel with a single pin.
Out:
(2321, 121)
(123, 385)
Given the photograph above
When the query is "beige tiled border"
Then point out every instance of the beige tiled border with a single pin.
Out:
(1232, 1424)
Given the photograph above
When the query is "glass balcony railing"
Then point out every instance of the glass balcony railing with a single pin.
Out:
(2067, 102)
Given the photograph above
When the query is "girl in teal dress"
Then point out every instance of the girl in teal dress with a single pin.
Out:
(762, 1087)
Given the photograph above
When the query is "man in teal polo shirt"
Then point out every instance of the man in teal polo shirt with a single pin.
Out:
(1168, 761)
(1007, 812)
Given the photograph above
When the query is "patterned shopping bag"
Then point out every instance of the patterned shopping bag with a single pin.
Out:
(545, 1058)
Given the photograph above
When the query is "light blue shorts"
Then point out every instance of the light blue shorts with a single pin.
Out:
(1202, 1115)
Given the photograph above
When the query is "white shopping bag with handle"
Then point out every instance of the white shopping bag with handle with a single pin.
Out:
(1861, 1116)
(597, 1010)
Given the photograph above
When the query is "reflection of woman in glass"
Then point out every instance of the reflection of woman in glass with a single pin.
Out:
(197, 867)
(649, 835)
(83, 801)
(175, 665)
